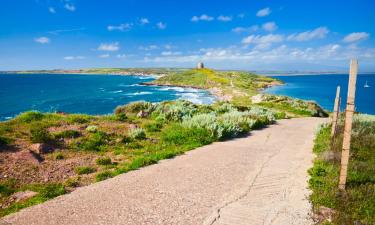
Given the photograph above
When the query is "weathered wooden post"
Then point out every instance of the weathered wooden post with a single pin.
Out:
(335, 111)
(348, 123)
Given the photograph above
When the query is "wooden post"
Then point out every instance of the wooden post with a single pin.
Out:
(348, 123)
(335, 111)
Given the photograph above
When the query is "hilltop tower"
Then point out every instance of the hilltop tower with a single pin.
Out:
(200, 65)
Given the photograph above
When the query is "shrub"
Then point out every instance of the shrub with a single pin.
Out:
(137, 133)
(121, 117)
(40, 134)
(104, 175)
(94, 142)
(72, 182)
(175, 111)
(134, 107)
(59, 156)
(178, 134)
(154, 127)
(51, 190)
(68, 134)
(104, 161)
(31, 116)
(4, 141)
(78, 118)
(225, 107)
(206, 121)
(92, 128)
(84, 170)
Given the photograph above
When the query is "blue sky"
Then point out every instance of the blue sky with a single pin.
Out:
(237, 34)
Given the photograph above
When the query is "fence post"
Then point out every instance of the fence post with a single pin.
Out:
(348, 123)
(335, 111)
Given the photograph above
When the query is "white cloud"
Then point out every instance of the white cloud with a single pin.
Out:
(51, 10)
(73, 57)
(245, 29)
(70, 7)
(241, 15)
(121, 27)
(121, 56)
(259, 39)
(318, 33)
(270, 26)
(144, 21)
(161, 25)
(42, 40)
(56, 32)
(224, 18)
(111, 47)
(148, 48)
(104, 56)
(263, 12)
(202, 17)
(356, 36)
(169, 53)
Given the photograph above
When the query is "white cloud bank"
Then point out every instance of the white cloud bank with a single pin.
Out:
(70, 7)
(74, 57)
(224, 18)
(161, 25)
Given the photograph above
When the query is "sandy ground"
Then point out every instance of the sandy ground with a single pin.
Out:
(260, 179)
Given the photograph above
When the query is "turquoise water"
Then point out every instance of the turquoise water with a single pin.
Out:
(322, 89)
(91, 94)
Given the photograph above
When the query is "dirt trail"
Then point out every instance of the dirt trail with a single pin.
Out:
(260, 179)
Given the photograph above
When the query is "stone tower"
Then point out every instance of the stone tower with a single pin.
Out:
(200, 65)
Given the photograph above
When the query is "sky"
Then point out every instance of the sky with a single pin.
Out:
(303, 35)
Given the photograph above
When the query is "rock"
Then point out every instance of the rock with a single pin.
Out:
(23, 195)
(142, 114)
(27, 156)
(41, 148)
(257, 98)
(132, 126)
(326, 213)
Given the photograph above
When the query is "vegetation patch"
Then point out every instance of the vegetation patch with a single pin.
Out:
(357, 204)
(85, 170)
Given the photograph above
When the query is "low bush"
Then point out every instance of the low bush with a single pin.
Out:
(31, 116)
(177, 134)
(59, 156)
(104, 161)
(84, 170)
(104, 175)
(4, 141)
(153, 126)
(94, 142)
(39, 134)
(137, 133)
(68, 134)
(134, 107)
(92, 128)
(175, 111)
(78, 118)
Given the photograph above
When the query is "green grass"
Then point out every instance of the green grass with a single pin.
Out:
(45, 192)
(85, 170)
(357, 204)
(104, 161)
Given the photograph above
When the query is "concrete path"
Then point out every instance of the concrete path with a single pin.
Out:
(260, 179)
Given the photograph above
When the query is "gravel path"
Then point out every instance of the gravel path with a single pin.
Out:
(260, 179)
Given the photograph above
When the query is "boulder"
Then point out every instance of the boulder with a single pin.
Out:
(142, 114)
(23, 195)
(132, 126)
(41, 148)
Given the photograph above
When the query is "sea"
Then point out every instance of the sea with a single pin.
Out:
(322, 89)
(89, 94)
